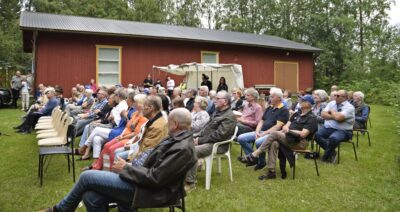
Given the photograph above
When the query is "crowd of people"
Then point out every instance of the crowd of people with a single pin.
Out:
(145, 140)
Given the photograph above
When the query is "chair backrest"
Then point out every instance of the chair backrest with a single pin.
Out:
(64, 130)
(60, 122)
(71, 136)
(216, 145)
(366, 121)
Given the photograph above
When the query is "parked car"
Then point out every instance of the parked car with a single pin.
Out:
(5, 97)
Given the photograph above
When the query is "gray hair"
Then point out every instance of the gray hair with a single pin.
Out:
(161, 90)
(155, 102)
(227, 96)
(140, 98)
(121, 93)
(277, 92)
(253, 92)
(182, 116)
(203, 87)
(360, 94)
(202, 101)
(322, 95)
(89, 91)
(212, 94)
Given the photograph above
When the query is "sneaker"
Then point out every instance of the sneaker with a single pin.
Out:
(242, 159)
(251, 160)
(189, 187)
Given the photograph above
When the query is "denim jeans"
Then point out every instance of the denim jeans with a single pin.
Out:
(84, 136)
(97, 189)
(329, 139)
(245, 141)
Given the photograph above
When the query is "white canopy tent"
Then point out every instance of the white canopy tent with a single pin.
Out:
(193, 72)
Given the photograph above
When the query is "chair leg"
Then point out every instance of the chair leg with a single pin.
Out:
(369, 140)
(316, 166)
(183, 204)
(171, 208)
(355, 151)
(294, 168)
(219, 165)
(369, 120)
(209, 162)
(73, 168)
(357, 139)
(338, 154)
(230, 165)
(41, 169)
(69, 164)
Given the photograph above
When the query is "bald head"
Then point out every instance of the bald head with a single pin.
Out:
(181, 116)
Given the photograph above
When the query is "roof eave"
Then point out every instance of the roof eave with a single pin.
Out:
(316, 50)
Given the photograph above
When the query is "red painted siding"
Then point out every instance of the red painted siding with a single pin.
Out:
(67, 59)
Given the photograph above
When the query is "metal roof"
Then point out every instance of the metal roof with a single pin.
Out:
(77, 24)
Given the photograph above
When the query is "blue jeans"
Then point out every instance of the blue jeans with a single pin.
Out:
(122, 153)
(245, 141)
(97, 189)
(84, 136)
(329, 139)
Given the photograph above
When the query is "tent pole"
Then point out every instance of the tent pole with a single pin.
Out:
(197, 76)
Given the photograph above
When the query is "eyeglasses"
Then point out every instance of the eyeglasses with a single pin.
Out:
(219, 98)
(339, 95)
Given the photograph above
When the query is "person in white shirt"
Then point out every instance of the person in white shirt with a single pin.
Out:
(25, 94)
(170, 86)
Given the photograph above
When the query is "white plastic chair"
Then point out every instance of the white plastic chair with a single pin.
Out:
(55, 131)
(209, 159)
(59, 140)
(49, 118)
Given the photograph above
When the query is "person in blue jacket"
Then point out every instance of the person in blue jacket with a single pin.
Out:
(33, 117)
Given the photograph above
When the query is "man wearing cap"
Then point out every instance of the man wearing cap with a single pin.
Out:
(294, 135)
(33, 117)
(339, 118)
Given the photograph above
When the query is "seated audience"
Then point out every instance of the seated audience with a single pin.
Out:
(320, 99)
(251, 114)
(157, 181)
(287, 99)
(83, 105)
(361, 110)
(274, 118)
(294, 135)
(131, 130)
(338, 125)
(237, 102)
(221, 127)
(85, 118)
(33, 117)
(203, 92)
(200, 116)
(190, 95)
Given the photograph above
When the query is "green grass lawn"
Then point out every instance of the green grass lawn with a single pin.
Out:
(371, 184)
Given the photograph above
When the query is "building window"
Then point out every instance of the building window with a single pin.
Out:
(209, 57)
(108, 65)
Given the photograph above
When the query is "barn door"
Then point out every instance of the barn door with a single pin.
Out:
(286, 75)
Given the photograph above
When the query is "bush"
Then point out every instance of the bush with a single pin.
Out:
(376, 91)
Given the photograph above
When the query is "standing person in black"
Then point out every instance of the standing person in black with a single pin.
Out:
(16, 85)
(206, 82)
(222, 85)
(148, 82)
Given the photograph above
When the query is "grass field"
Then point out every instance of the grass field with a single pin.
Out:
(370, 184)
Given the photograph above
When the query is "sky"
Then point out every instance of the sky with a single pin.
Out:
(394, 13)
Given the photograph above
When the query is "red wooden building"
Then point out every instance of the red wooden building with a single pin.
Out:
(70, 49)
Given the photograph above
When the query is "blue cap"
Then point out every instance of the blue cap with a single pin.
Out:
(308, 98)
(146, 91)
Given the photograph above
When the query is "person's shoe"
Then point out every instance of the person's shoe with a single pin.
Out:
(189, 187)
(259, 166)
(251, 160)
(270, 175)
(26, 132)
(87, 168)
(242, 159)
(334, 157)
(283, 175)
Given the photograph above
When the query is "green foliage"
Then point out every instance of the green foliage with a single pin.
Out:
(376, 91)
(369, 184)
